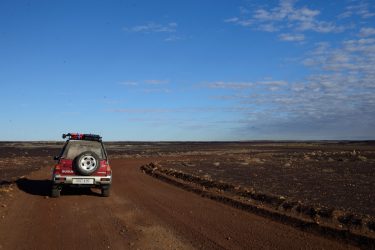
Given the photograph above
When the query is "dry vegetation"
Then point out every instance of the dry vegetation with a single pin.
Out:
(334, 174)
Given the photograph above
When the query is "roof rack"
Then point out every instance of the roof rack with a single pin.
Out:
(86, 137)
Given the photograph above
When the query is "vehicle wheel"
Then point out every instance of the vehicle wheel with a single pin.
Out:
(55, 192)
(87, 163)
(105, 191)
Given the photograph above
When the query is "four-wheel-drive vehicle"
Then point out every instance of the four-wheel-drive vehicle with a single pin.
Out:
(83, 162)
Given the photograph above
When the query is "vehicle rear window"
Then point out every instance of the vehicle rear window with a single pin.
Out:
(75, 148)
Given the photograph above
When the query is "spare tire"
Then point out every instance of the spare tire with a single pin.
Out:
(86, 163)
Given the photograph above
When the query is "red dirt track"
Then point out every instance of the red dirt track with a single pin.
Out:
(141, 213)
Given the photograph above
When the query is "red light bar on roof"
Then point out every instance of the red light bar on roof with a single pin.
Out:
(77, 136)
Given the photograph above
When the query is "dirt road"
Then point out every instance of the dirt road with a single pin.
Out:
(142, 213)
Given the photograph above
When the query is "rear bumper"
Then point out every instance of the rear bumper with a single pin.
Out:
(91, 180)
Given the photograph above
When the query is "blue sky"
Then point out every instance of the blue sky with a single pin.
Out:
(188, 70)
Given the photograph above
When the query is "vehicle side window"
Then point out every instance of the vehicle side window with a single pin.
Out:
(61, 154)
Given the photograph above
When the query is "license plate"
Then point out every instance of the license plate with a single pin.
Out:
(83, 181)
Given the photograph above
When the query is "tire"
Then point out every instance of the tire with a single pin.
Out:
(55, 192)
(105, 191)
(87, 163)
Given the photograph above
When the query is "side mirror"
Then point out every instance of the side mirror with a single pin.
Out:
(56, 158)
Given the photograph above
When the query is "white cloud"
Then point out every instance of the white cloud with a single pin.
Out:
(239, 21)
(292, 37)
(169, 30)
(321, 27)
(148, 82)
(156, 81)
(278, 13)
(287, 15)
(232, 20)
(356, 57)
(148, 86)
(173, 38)
(129, 83)
(268, 27)
(303, 15)
(364, 32)
(359, 8)
(157, 90)
(245, 22)
(287, 18)
(265, 15)
(344, 87)
(152, 27)
(141, 110)
(273, 83)
(337, 100)
(229, 85)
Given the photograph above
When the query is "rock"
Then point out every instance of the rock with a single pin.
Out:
(330, 159)
(216, 164)
(257, 160)
(287, 164)
(362, 158)
(207, 176)
(3, 205)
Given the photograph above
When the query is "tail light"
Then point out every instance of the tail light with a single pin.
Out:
(105, 167)
(108, 170)
(57, 169)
